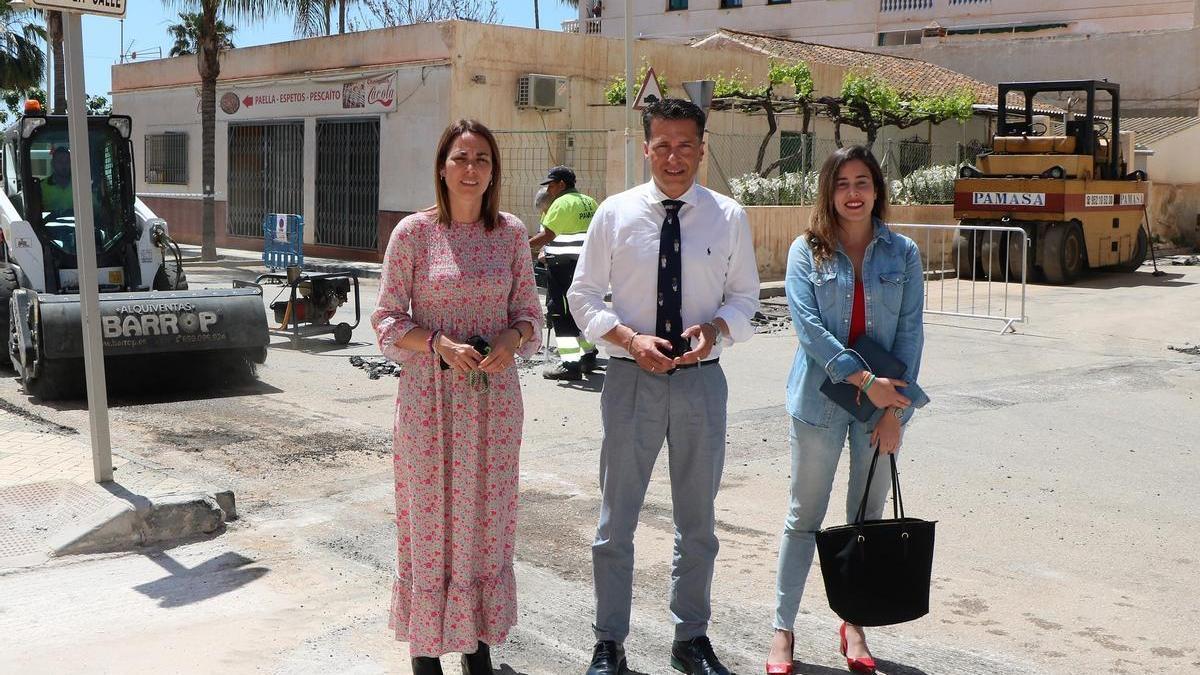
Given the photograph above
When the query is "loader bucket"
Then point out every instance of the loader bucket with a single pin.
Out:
(142, 330)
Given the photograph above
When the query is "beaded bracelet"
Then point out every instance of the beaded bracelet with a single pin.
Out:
(869, 381)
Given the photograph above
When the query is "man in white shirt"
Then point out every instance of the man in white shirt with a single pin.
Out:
(679, 260)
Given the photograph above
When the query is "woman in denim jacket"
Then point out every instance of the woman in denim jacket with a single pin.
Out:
(849, 275)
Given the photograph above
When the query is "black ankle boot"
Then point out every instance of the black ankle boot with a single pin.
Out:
(479, 663)
(426, 665)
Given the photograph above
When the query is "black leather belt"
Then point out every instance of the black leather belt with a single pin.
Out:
(685, 366)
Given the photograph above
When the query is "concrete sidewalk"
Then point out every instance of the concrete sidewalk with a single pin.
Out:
(240, 258)
(50, 502)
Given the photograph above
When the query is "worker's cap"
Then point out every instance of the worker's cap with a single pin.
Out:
(563, 173)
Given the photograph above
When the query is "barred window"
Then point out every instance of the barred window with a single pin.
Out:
(167, 158)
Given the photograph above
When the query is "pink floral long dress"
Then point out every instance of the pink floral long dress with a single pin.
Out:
(455, 448)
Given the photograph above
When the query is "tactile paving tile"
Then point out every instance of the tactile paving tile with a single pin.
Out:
(31, 512)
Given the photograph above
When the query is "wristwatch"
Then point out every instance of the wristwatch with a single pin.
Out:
(898, 412)
(720, 338)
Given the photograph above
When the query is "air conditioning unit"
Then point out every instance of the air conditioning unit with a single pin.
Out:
(542, 92)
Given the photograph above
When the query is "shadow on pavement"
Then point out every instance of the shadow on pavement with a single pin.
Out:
(186, 585)
(883, 667)
(803, 668)
(316, 344)
(892, 668)
(1107, 280)
(122, 396)
(593, 381)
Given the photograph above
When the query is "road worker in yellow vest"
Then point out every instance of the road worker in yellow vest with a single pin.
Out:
(564, 228)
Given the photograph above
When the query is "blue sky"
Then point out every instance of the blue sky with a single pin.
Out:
(146, 22)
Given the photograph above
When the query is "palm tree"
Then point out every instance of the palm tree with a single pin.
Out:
(208, 46)
(54, 36)
(184, 34)
(314, 17)
(22, 62)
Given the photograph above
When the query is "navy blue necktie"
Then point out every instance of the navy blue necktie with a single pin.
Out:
(668, 323)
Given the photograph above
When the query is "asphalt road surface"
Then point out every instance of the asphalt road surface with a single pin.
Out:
(1060, 462)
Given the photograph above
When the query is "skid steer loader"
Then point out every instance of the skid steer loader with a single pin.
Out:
(1073, 191)
(146, 309)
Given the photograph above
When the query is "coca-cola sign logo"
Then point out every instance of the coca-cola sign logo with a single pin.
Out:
(382, 90)
(378, 91)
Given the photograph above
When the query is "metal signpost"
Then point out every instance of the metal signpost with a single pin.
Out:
(85, 241)
(630, 139)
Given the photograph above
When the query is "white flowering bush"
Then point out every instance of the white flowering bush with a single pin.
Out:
(934, 185)
(787, 189)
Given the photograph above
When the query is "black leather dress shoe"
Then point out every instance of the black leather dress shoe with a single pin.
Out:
(608, 659)
(479, 663)
(696, 657)
(426, 665)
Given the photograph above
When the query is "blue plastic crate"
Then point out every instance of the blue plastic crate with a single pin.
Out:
(283, 241)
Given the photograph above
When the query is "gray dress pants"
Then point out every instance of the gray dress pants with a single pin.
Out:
(640, 410)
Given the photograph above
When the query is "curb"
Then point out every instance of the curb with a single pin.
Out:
(128, 525)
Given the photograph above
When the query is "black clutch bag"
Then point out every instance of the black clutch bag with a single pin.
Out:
(478, 343)
(879, 361)
(877, 572)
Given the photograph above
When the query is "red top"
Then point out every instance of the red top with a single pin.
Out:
(858, 316)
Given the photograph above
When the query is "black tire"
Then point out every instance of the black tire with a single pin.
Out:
(966, 257)
(993, 255)
(1140, 250)
(1032, 273)
(170, 278)
(8, 284)
(1064, 256)
(342, 333)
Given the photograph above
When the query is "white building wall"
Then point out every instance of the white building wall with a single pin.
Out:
(858, 23)
(407, 134)
(1174, 159)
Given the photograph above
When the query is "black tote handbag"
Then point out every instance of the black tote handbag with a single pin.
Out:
(877, 571)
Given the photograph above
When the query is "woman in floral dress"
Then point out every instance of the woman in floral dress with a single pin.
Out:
(458, 270)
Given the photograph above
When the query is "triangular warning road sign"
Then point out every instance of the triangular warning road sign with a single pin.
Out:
(649, 93)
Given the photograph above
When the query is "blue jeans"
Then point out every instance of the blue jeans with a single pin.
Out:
(815, 455)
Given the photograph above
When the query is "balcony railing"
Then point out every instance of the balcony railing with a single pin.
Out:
(904, 5)
(589, 26)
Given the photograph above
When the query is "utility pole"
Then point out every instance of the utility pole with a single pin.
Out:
(630, 139)
(81, 184)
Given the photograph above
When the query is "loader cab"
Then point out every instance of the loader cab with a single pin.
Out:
(38, 181)
(1082, 133)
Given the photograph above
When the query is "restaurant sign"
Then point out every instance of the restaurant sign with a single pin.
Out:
(365, 95)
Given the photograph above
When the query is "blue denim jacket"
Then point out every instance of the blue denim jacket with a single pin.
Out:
(821, 299)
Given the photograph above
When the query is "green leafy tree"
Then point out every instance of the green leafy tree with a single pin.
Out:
(208, 47)
(22, 62)
(869, 104)
(14, 102)
(184, 33)
(98, 105)
(788, 89)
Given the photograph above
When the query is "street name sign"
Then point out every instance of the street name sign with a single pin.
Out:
(112, 8)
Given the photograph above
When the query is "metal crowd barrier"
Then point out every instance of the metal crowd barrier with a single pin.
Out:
(973, 271)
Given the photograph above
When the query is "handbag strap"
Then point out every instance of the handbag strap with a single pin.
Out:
(897, 502)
